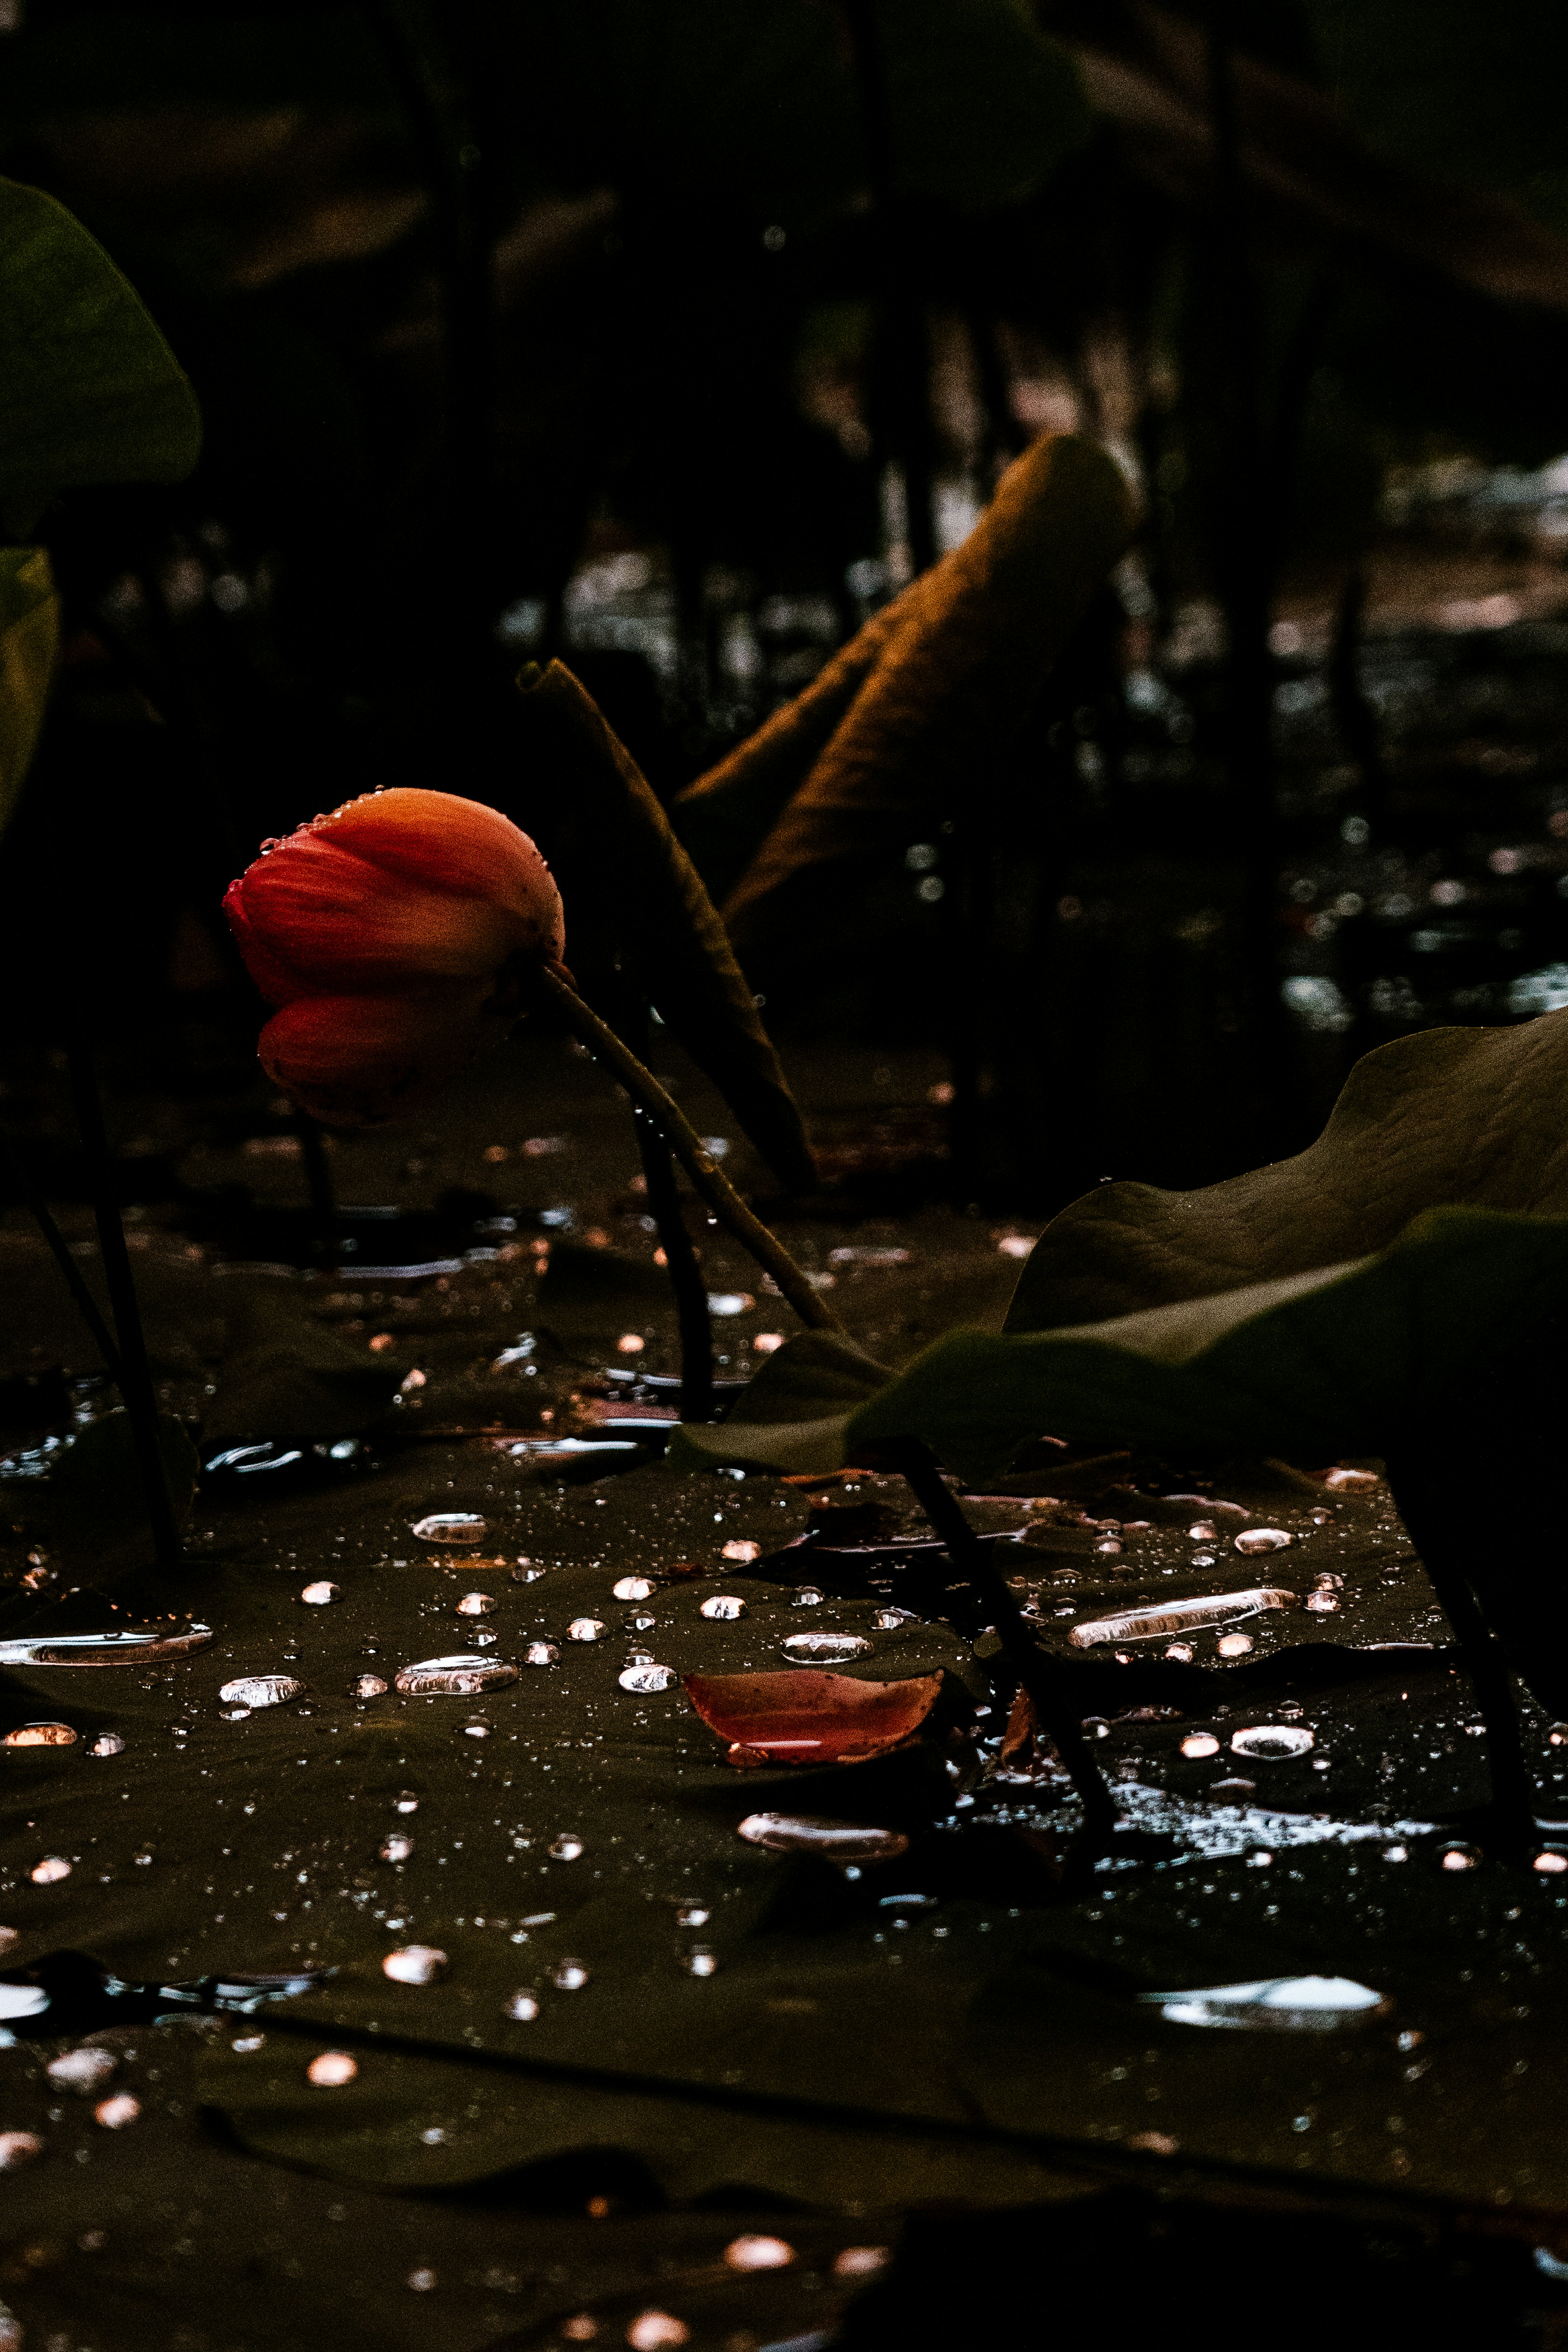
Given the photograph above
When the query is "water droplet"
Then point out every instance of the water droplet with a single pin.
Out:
(1233, 1645)
(455, 1677)
(321, 1595)
(1181, 1652)
(525, 1572)
(82, 2070)
(1461, 1857)
(423, 2281)
(121, 1645)
(1351, 1481)
(114, 2113)
(1322, 1602)
(462, 1529)
(235, 1714)
(475, 1604)
(40, 1735)
(1551, 1862)
(722, 1607)
(261, 1690)
(1274, 2005)
(366, 1686)
(758, 2253)
(477, 1728)
(700, 1962)
(331, 2070)
(654, 2331)
(51, 1870)
(1108, 1549)
(824, 1649)
(586, 1629)
(741, 1548)
(808, 1596)
(415, 1964)
(18, 2148)
(812, 1833)
(646, 1678)
(524, 2007)
(397, 1847)
(860, 2262)
(540, 1654)
(634, 1588)
(1255, 1539)
(1178, 1616)
(1200, 1743)
(1203, 1531)
(22, 2001)
(1271, 1741)
(630, 1343)
(247, 2043)
(568, 1976)
(110, 1743)
(1396, 1853)
(567, 1848)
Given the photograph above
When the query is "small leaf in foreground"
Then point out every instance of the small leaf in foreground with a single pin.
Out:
(806, 1717)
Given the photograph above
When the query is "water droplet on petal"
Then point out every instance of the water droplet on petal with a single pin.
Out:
(397, 1848)
(415, 1964)
(367, 1687)
(634, 1588)
(722, 1606)
(540, 1654)
(331, 2070)
(462, 1529)
(524, 2007)
(82, 2070)
(1200, 1743)
(824, 1649)
(321, 1595)
(18, 2148)
(586, 1629)
(51, 1870)
(1271, 1741)
(261, 1690)
(455, 1677)
(758, 2253)
(812, 1833)
(1255, 1539)
(646, 1677)
(115, 2113)
(566, 1849)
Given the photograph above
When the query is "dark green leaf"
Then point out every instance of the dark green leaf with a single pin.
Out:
(1464, 1116)
(91, 392)
(791, 1414)
(634, 898)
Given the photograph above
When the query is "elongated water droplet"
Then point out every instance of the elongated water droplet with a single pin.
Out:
(455, 1677)
(464, 1529)
(758, 2253)
(40, 1735)
(1274, 2005)
(812, 1833)
(22, 2001)
(824, 1649)
(121, 1645)
(415, 1964)
(1271, 1741)
(261, 1690)
(1178, 1616)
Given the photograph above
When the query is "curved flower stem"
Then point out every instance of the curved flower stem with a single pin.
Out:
(708, 1178)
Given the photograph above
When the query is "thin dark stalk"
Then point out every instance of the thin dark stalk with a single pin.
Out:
(323, 1195)
(135, 1372)
(1353, 714)
(86, 1304)
(708, 1178)
(687, 1278)
(1055, 1703)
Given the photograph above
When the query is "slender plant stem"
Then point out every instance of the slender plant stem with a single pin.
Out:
(686, 1276)
(87, 1304)
(1056, 1706)
(708, 1178)
(135, 1375)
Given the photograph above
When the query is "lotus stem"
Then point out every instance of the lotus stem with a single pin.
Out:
(709, 1179)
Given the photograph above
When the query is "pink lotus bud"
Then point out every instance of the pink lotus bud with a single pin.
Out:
(383, 932)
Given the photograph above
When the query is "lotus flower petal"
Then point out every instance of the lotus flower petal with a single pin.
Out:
(807, 1717)
(355, 1061)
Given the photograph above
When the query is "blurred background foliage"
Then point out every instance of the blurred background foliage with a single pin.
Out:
(670, 336)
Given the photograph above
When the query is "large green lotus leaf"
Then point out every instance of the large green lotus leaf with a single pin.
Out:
(91, 392)
(1344, 1359)
(1469, 1116)
(30, 638)
(635, 904)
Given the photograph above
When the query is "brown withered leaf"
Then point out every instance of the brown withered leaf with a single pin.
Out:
(954, 681)
(635, 900)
